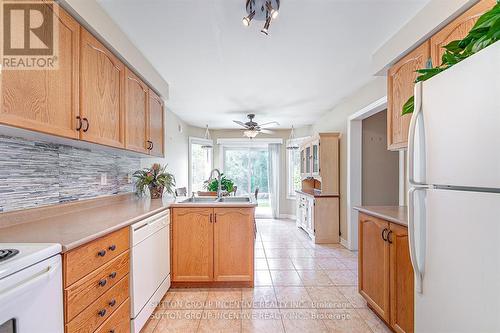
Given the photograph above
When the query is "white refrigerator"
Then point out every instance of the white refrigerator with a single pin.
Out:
(454, 197)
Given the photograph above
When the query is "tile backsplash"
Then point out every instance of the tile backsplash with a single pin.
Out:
(34, 174)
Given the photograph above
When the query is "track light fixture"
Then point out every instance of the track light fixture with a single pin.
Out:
(265, 29)
(261, 10)
(248, 19)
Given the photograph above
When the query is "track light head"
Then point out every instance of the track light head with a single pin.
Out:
(271, 11)
(265, 29)
(247, 19)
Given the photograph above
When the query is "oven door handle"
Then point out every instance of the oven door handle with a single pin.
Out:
(28, 283)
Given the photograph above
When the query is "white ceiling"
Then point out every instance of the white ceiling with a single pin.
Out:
(318, 52)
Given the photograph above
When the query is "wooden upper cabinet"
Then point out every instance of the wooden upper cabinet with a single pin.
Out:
(46, 100)
(136, 113)
(400, 87)
(192, 249)
(233, 244)
(156, 124)
(374, 264)
(401, 280)
(457, 29)
(102, 79)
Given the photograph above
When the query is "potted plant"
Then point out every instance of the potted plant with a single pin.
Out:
(227, 185)
(156, 179)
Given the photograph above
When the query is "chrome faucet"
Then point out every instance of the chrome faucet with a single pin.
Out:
(219, 180)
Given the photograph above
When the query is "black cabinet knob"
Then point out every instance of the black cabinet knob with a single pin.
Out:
(102, 313)
(112, 247)
(111, 331)
(102, 282)
(112, 275)
(112, 302)
(101, 253)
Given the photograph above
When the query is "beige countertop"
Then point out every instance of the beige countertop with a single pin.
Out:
(396, 214)
(317, 194)
(76, 223)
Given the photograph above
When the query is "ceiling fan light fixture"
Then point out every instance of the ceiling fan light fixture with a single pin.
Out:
(247, 19)
(250, 133)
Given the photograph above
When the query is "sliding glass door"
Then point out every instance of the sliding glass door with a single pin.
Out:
(248, 168)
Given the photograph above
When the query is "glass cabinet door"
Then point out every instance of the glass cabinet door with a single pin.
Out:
(302, 161)
(315, 158)
(308, 159)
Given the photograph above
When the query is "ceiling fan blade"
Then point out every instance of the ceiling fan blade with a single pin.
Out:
(240, 123)
(265, 131)
(271, 123)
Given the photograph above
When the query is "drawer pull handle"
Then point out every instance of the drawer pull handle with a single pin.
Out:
(102, 282)
(112, 247)
(101, 253)
(102, 313)
(112, 275)
(112, 302)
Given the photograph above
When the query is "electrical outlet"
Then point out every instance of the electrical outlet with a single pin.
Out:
(104, 179)
(129, 178)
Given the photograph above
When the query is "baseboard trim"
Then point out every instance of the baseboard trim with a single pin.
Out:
(344, 243)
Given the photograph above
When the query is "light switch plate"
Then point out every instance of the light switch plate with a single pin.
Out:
(104, 179)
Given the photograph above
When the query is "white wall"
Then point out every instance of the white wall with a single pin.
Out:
(177, 134)
(336, 121)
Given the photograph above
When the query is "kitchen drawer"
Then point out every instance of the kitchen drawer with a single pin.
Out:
(84, 292)
(86, 258)
(119, 322)
(99, 311)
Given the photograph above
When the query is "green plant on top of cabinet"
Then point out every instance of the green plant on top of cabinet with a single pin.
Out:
(46, 100)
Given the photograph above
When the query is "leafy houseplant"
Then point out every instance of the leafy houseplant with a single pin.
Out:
(156, 179)
(485, 32)
(226, 185)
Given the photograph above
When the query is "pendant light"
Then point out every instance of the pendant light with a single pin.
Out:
(290, 144)
(208, 145)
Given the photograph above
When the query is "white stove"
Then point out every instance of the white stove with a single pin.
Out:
(31, 298)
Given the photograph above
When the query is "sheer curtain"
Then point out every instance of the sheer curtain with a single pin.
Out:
(274, 177)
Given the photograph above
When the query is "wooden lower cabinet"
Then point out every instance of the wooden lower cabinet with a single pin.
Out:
(385, 272)
(97, 299)
(192, 239)
(374, 264)
(212, 245)
(401, 280)
(233, 244)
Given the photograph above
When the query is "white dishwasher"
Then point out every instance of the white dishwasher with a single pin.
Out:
(149, 266)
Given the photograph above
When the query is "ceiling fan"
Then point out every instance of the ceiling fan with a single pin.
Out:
(252, 129)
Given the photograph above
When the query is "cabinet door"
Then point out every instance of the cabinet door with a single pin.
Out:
(374, 264)
(136, 113)
(400, 85)
(315, 158)
(233, 244)
(156, 124)
(457, 29)
(401, 280)
(46, 100)
(308, 160)
(302, 161)
(102, 80)
(192, 252)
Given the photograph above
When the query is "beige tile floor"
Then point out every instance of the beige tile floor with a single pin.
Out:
(299, 287)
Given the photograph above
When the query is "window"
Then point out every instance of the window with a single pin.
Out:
(294, 182)
(200, 163)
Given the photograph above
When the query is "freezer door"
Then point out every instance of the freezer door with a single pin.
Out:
(457, 127)
(461, 270)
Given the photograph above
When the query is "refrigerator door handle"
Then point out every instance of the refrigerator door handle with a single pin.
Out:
(411, 135)
(411, 239)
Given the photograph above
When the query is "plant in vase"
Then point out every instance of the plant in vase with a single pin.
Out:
(156, 179)
(227, 185)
